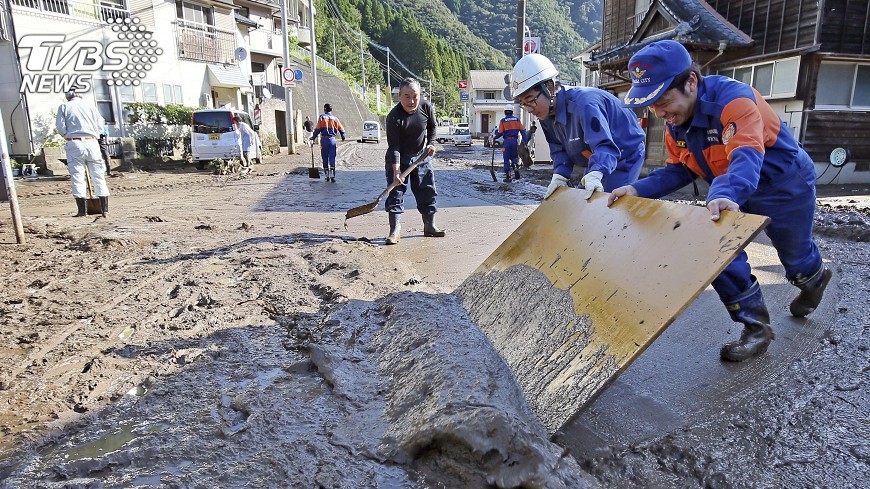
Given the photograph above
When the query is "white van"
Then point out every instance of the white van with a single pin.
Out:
(371, 131)
(213, 134)
(462, 136)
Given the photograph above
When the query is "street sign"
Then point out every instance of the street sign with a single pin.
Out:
(532, 45)
(298, 75)
(463, 83)
(463, 96)
(289, 77)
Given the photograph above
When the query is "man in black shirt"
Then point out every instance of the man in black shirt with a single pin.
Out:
(410, 132)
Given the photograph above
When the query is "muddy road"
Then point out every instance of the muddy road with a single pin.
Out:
(230, 332)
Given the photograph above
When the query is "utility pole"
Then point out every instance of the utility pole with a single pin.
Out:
(362, 62)
(521, 24)
(288, 92)
(10, 187)
(389, 88)
(333, 50)
(313, 56)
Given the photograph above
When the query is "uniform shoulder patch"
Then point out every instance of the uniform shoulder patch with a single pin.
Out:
(681, 143)
(729, 132)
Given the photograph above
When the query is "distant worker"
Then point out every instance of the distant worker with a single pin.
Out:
(723, 131)
(81, 124)
(510, 128)
(328, 126)
(583, 126)
(410, 133)
(308, 127)
(103, 141)
(249, 139)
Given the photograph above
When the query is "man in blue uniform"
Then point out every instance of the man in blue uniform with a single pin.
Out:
(723, 131)
(328, 126)
(583, 126)
(510, 128)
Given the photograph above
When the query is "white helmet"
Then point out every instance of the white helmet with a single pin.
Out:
(531, 70)
(509, 107)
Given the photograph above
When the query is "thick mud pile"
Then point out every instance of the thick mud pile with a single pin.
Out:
(285, 362)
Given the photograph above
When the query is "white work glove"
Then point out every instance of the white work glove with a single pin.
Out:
(591, 182)
(556, 182)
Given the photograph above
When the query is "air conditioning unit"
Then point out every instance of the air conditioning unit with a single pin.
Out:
(206, 100)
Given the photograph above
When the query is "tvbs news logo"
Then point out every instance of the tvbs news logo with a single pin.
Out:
(54, 67)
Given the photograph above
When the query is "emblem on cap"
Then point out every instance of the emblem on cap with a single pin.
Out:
(637, 72)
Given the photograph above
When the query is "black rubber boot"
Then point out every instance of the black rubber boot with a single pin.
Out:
(395, 229)
(812, 290)
(750, 310)
(507, 177)
(429, 227)
(516, 173)
(104, 206)
(81, 206)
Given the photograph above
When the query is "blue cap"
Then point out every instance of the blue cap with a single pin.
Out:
(652, 69)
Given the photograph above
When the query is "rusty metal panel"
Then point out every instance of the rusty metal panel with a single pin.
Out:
(579, 290)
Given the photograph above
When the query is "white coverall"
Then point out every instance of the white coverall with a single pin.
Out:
(81, 124)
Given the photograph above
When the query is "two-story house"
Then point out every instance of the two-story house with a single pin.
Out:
(487, 94)
(810, 59)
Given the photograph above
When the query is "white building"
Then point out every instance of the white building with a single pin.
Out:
(487, 95)
(199, 53)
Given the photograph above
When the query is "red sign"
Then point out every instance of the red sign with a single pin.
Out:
(532, 45)
(463, 83)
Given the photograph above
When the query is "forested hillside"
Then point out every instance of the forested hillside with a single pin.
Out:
(441, 40)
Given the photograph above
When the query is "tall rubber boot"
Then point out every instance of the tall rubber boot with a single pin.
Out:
(429, 228)
(750, 310)
(395, 229)
(104, 206)
(516, 172)
(507, 177)
(81, 206)
(812, 290)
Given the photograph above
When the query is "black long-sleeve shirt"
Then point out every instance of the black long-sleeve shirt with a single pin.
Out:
(408, 134)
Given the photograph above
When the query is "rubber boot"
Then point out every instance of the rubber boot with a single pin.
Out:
(507, 177)
(750, 310)
(395, 229)
(333, 174)
(516, 172)
(429, 228)
(81, 206)
(812, 290)
(104, 206)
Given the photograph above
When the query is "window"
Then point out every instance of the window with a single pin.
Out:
(103, 94)
(178, 99)
(167, 94)
(126, 94)
(843, 85)
(149, 92)
(772, 80)
(192, 12)
(489, 95)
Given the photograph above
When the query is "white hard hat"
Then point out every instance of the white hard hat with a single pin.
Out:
(509, 107)
(530, 71)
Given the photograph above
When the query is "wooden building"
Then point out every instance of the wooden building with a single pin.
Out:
(810, 59)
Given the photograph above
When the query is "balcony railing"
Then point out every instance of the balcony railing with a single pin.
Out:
(99, 10)
(204, 42)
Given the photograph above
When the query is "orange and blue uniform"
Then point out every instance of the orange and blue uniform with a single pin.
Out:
(328, 126)
(510, 128)
(739, 145)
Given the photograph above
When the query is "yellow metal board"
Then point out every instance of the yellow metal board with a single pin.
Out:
(579, 290)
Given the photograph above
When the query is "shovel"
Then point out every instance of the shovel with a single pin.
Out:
(313, 172)
(525, 155)
(492, 165)
(93, 203)
(365, 209)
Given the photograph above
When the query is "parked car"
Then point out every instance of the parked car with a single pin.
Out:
(462, 136)
(213, 135)
(371, 131)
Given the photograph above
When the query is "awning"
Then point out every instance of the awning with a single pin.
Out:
(227, 76)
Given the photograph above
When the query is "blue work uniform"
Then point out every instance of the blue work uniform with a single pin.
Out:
(592, 128)
(328, 126)
(510, 128)
(739, 145)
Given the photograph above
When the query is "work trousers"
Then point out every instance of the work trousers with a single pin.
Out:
(790, 203)
(422, 181)
(327, 152)
(510, 155)
(81, 154)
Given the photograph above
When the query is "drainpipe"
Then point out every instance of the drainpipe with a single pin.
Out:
(722, 46)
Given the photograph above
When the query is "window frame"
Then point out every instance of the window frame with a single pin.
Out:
(754, 68)
(851, 105)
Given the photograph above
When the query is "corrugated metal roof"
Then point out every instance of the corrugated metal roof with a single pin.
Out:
(487, 79)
